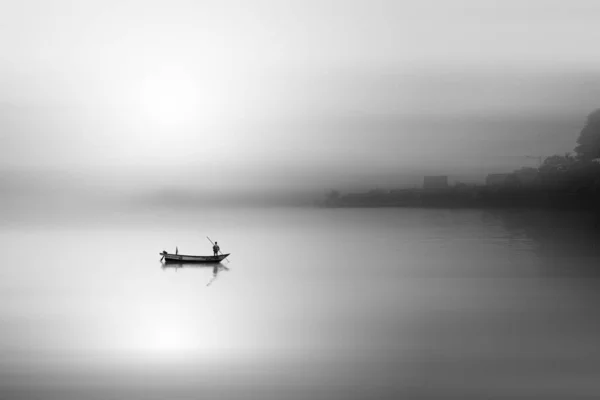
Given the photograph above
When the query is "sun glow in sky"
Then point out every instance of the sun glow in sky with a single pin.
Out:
(170, 100)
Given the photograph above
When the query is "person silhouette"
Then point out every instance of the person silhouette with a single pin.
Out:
(216, 249)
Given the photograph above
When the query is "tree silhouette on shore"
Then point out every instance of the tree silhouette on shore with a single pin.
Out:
(588, 142)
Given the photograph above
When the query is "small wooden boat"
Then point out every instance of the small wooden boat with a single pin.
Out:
(182, 258)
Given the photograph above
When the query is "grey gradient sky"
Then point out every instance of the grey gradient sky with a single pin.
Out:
(316, 93)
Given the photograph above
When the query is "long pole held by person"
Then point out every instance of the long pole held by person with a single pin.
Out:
(214, 244)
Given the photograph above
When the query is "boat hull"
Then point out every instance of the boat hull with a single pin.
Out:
(182, 258)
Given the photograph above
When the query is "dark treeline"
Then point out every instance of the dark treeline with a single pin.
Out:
(561, 181)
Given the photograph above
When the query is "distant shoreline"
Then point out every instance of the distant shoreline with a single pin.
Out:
(468, 198)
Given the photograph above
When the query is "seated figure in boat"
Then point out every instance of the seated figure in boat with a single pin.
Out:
(216, 249)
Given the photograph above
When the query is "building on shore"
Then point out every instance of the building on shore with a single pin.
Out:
(435, 182)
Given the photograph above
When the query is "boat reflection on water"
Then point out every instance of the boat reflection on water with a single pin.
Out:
(217, 267)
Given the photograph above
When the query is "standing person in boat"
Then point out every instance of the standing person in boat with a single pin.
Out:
(216, 249)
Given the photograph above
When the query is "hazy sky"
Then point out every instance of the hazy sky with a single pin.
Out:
(248, 92)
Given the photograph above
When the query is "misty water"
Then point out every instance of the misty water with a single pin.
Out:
(314, 304)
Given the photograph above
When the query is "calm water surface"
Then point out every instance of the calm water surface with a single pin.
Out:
(314, 304)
